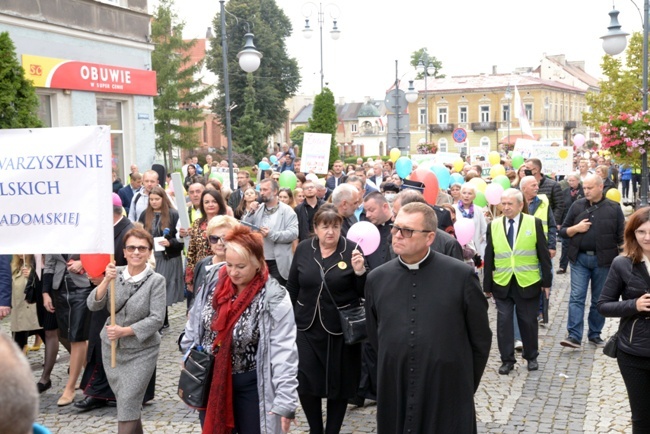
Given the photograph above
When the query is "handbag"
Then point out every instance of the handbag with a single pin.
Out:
(196, 377)
(353, 319)
(611, 346)
(32, 287)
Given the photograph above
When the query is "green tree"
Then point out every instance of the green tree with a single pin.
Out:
(176, 108)
(18, 100)
(296, 136)
(620, 90)
(249, 133)
(324, 120)
(423, 54)
(277, 78)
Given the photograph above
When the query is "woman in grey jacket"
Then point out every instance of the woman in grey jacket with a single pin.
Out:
(140, 310)
(626, 294)
(248, 323)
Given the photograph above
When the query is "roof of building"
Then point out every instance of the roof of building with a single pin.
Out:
(368, 110)
(575, 68)
(474, 83)
(345, 112)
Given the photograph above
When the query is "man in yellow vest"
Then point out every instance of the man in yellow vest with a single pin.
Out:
(513, 261)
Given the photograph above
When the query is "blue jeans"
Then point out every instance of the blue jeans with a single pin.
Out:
(564, 256)
(583, 270)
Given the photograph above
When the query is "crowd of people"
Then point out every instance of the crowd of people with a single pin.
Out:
(265, 269)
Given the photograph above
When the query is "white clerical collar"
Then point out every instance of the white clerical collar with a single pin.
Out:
(138, 277)
(415, 266)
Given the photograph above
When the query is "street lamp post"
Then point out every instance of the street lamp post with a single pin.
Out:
(427, 71)
(614, 43)
(546, 107)
(335, 33)
(508, 96)
(249, 61)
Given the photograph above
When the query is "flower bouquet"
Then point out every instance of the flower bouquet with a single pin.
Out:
(626, 136)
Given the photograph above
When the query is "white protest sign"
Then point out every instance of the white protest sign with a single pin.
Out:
(445, 157)
(555, 159)
(315, 153)
(181, 205)
(55, 190)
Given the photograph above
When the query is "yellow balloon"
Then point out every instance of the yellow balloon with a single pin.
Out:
(613, 194)
(497, 170)
(494, 158)
(394, 154)
(480, 184)
(458, 165)
(563, 153)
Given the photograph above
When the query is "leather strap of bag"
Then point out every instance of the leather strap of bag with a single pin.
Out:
(322, 275)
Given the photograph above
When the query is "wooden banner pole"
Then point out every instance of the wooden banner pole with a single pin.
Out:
(113, 342)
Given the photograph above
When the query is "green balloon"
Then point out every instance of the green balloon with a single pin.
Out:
(503, 181)
(288, 180)
(517, 161)
(480, 199)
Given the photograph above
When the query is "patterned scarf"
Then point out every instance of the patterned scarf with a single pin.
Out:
(466, 214)
(219, 418)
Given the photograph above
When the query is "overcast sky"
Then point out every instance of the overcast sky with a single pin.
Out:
(468, 36)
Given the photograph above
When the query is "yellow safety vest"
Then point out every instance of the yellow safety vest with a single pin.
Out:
(522, 261)
(542, 212)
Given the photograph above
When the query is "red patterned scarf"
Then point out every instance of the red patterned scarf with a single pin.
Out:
(219, 418)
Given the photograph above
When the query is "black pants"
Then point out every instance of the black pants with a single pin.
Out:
(311, 406)
(273, 271)
(564, 257)
(527, 309)
(636, 374)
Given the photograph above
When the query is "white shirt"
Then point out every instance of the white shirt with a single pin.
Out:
(415, 266)
(515, 225)
(138, 277)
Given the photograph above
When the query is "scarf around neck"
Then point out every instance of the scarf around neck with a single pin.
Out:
(469, 214)
(219, 418)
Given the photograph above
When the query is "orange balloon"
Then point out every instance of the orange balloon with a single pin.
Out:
(95, 263)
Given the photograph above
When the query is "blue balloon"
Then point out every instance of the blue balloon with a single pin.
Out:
(443, 175)
(403, 167)
(273, 159)
(457, 178)
(263, 165)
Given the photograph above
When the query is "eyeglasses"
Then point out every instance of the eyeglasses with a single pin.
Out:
(141, 249)
(406, 233)
(641, 233)
(214, 239)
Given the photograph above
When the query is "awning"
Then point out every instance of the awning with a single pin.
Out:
(512, 138)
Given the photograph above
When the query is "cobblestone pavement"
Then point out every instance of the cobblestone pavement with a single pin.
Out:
(575, 391)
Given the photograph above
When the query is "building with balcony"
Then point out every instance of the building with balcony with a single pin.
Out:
(90, 61)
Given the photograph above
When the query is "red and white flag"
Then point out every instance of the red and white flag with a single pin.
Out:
(520, 114)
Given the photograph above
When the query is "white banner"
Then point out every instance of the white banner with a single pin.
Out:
(55, 190)
(556, 160)
(315, 153)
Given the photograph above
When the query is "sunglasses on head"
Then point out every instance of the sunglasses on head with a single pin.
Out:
(214, 239)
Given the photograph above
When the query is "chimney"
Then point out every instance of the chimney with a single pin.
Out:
(341, 100)
(494, 70)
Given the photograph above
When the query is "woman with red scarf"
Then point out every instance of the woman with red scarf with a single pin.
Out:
(250, 328)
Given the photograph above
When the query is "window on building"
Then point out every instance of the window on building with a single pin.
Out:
(485, 113)
(422, 116)
(462, 115)
(443, 117)
(485, 141)
(109, 112)
(45, 109)
(505, 112)
(529, 111)
(442, 145)
(354, 128)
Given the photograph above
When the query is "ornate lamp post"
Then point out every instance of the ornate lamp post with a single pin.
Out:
(249, 61)
(335, 33)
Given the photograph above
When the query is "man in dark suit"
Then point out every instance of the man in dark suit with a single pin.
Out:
(242, 183)
(334, 181)
(516, 251)
(127, 192)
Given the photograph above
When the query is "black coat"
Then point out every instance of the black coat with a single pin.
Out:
(625, 283)
(447, 245)
(126, 194)
(553, 191)
(568, 201)
(431, 331)
(175, 247)
(303, 219)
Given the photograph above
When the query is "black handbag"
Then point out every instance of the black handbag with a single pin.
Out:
(32, 287)
(195, 379)
(353, 319)
(611, 346)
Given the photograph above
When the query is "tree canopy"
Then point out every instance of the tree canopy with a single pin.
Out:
(423, 54)
(18, 100)
(277, 78)
(324, 120)
(250, 131)
(180, 91)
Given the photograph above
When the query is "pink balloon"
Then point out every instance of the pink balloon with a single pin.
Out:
(464, 230)
(579, 140)
(366, 235)
(493, 193)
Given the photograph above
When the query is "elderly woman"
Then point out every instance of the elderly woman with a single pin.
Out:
(625, 295)
(248, 324)
(328, 367)
(468, 210)
(140, 310)
(454, 192)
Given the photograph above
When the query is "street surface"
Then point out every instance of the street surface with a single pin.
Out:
(575, 391)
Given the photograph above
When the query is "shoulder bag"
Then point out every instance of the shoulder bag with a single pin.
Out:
(32, 287)
(353, 319)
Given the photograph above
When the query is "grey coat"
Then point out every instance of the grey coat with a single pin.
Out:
(277, 353)
(282, 234)
(56, 265)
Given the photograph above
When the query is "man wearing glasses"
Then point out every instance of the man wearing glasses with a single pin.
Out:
(307, 210)
(427, 319)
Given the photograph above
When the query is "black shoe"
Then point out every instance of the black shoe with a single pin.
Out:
(506, 368)
(357, 401)
(42, 387)
(533, 365)
(111, 403)
(560, 271)
(598, 342)
(90, 403)
(570, 342)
